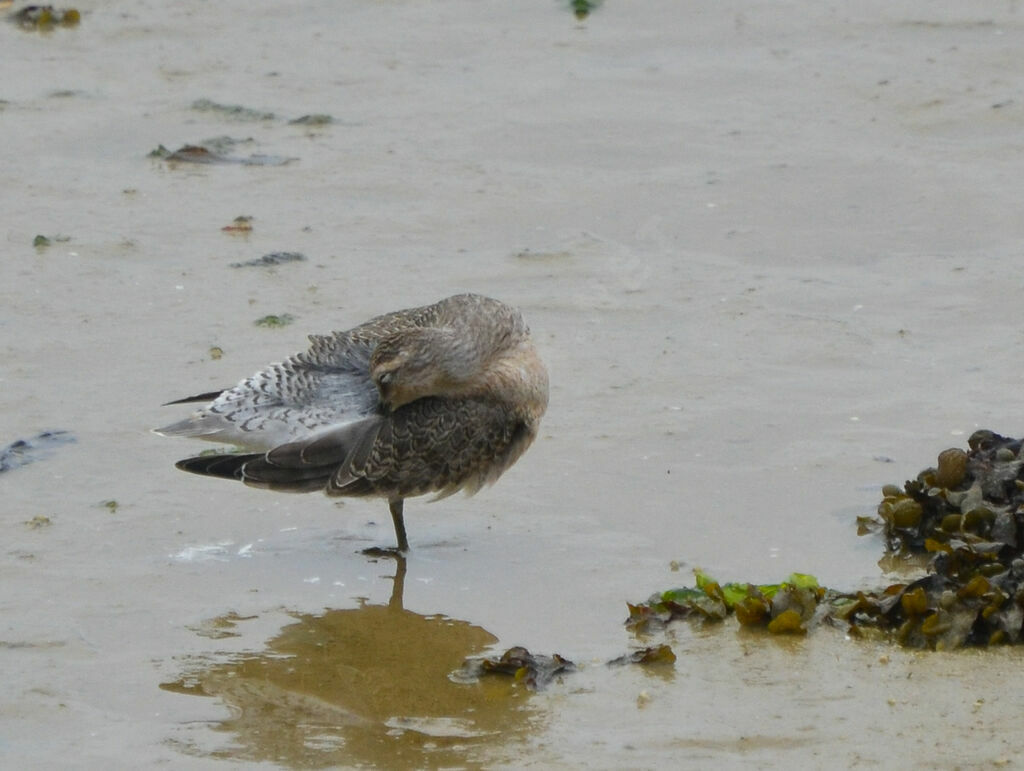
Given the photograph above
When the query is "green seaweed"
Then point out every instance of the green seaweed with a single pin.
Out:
(784, 607)
(582, 8)
(41, 241)
(275, 321)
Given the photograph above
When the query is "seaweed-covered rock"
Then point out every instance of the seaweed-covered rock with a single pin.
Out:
(967, 512)
(973, 498)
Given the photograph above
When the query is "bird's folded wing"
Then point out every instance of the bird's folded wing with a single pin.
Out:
(434, 445)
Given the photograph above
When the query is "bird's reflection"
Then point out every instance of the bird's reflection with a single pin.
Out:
(369, 685)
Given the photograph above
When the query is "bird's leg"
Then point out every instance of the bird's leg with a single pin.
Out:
(396, 507)
(403, 542)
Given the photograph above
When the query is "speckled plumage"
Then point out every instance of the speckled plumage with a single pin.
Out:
(434, 399)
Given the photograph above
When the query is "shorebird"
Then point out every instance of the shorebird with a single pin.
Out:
(434, 399)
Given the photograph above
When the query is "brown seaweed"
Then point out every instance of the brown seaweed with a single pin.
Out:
(655, 654)
(534, 671)
(240, 225)
(216, 151)
(45, 17)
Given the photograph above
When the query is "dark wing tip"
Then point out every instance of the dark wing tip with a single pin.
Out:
(207, 397)
(256, 471)
(223, 466)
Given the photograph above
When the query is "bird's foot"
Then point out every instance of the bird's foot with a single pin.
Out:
(385, 551)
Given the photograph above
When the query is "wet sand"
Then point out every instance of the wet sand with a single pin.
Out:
(769, 252)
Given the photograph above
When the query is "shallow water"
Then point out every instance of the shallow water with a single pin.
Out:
(769, 251)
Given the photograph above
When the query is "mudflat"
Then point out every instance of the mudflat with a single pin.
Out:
(769, 253)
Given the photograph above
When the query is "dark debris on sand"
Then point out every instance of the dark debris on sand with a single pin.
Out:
(24, 451)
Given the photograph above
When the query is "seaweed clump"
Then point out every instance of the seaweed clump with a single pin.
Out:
(581, 8)
(45, 17)
(217, 150)
(965, 514)
(273, 321)
(534, 670)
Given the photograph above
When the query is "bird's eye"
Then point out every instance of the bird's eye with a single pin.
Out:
(386, 378)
